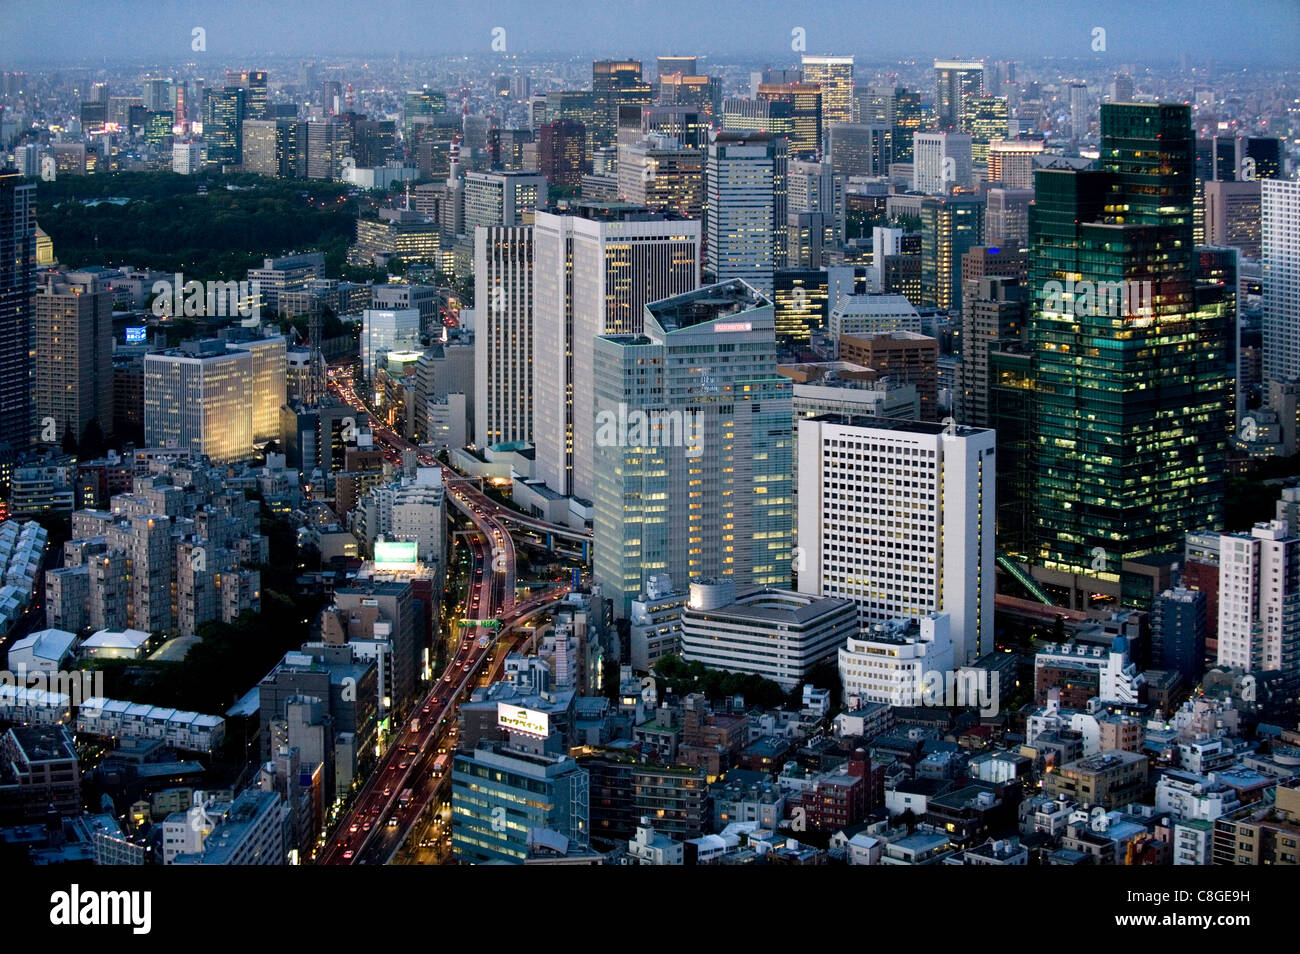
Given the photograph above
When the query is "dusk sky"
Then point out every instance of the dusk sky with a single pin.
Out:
(1262, 31)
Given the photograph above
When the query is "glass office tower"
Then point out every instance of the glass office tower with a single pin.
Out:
(1131, 374)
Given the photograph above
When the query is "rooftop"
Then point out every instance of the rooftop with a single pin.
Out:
(709, 303)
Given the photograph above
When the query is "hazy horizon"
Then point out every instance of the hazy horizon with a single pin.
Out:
(1158, 31)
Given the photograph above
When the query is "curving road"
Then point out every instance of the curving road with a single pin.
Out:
(380, 818)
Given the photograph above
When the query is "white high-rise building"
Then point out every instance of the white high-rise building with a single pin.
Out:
(187, 158)
(594, 273)
(693, 447)
(502, 198)
(199, 398)
(1259, 599)
(1280, 216)
(898, 516)
(384, 330)
(27, 159)
(1006, 219)
(503, 335)
(745, 197)
(940, 162)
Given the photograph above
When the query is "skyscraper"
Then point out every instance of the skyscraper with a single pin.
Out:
(384, 330)
(275, 147)
(223, 125)
(72, 373)
(693, 447)
(419, 107)
(328, 144)
(1131, 375)
(984, 119)
(746, 199)
(1011, 162)
(502, 198)
(198, 399)
(594, 273)
(1280, 213)
(255, 100)
(807, 115)
(562, 152)
(657, 172)
(815, 187)
(909, 117)
(614, 83)
(994, 313)
(898, 516)
(503, 336)
(950, 227)
(955, 81)
(860, 149)
(834, 74)
(266, 382)
(17, 278)
(1232, 215)
(1006, 217)
(1080, 115)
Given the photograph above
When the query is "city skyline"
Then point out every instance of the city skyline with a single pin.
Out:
(655, 434)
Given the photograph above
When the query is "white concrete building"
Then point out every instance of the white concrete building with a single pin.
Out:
(940, 162)
(889, 661)
(872, 314)
(693, 447)
(503, 335)
(776, 634)
(1191, 796)
(746, 197)
(1280, 248)
(199, 398)
(649, 847)
(898, 516)
(113, 718)
(1259, 598)
(251, 830)
(502, 199)
(410, 510)
(45, 651)
(187, 158)
(1118, 677)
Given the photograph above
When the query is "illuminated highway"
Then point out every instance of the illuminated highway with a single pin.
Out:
(409, 774)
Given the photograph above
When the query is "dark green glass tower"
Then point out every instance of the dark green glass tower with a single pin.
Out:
(1131, 374)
